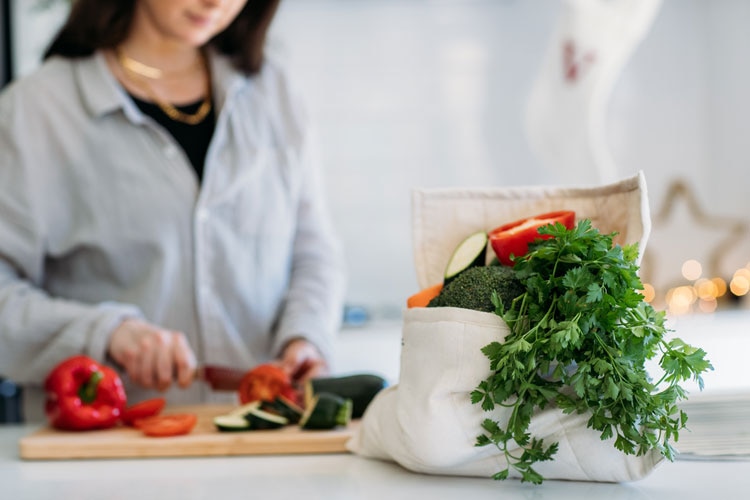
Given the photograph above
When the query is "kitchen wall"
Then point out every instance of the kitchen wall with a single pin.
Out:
(412, 93)
(422, 93)
(432, 93)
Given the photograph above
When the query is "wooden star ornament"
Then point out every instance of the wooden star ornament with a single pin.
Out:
(683, 230)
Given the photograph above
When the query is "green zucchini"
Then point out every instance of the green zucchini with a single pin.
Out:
(360, 388)
(250, 416)
(263, 420)
(472, 251)
(231, 423)
(327, 411)
(244, 409)
(284, 407)
(235, 420)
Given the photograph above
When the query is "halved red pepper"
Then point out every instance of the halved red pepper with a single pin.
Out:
(83, 394)
(513, 239)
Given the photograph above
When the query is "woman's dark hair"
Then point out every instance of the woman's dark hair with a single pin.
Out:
(102, 24)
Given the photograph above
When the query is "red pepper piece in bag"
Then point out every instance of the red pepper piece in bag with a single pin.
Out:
(513, 239)
(83, 394)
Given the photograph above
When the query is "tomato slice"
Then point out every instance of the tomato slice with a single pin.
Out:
(264, 383)
(167, 425)
(513, 239)
(147, 408)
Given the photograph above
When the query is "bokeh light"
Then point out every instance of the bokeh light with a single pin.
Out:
(706, 289)
(649, 293)
(721, 286)
(692, 270)
(708, 305)
(739, 285)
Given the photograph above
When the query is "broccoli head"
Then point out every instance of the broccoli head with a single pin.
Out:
(472, 288)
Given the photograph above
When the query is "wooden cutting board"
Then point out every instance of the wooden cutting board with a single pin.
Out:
(205, 440)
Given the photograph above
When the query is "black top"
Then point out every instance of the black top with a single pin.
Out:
(194, 139)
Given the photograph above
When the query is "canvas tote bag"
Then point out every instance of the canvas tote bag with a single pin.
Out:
(426, 422)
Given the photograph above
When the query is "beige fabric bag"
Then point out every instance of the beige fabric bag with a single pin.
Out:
(426, 422)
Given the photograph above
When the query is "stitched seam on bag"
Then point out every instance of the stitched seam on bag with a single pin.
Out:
(462, 321)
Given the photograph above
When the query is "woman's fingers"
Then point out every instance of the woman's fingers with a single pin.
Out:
(147, 357)
(302, 360)
(152, 357)
(185, 363)
(164, 364)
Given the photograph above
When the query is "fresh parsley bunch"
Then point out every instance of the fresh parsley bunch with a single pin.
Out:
(580, 336)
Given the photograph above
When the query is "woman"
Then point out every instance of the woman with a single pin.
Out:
(159, 207)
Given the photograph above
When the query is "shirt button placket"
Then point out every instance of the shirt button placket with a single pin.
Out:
(206, 295)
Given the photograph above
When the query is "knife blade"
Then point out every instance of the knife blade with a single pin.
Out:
(220, 378)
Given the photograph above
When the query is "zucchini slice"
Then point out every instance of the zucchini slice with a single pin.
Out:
(327, 411)
(472, 251)
(231, 423)
(263, 420)
(360, 388)
(236, 419)
(284, 407)
(245, 409)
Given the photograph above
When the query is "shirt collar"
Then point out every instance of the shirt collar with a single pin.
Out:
(100, 91)
(102, 94)
(226, 79)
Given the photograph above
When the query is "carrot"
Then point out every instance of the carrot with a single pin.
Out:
(424, 296)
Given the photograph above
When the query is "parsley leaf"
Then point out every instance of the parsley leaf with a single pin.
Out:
(580, 336)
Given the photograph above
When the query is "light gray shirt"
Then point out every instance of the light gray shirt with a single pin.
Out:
(102, 217)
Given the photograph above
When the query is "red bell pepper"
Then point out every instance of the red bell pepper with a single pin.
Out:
(83, 394)
(514, 238)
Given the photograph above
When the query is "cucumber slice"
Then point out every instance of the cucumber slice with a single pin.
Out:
(327, 411)
(262, 420)
(472, 251)
(231, 423)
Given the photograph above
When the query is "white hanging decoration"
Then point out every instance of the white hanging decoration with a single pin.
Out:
(565, 115)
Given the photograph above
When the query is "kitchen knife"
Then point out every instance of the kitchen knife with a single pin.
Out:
(221, 378)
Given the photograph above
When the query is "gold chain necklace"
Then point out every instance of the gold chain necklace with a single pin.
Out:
(144, 73)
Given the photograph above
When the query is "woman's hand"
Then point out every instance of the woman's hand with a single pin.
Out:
(302, 361)
(152, 357)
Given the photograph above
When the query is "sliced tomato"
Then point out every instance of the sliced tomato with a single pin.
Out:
(147, 408)
(513, 239)
(167, 425)
(264, 383)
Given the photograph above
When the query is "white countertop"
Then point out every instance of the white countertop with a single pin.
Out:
(335, 476)
(726, 337)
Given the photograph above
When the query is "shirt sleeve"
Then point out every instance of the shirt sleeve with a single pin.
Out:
(37, 330)
(313, 308)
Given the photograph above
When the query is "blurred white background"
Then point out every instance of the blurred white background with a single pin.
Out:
(433, 93)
